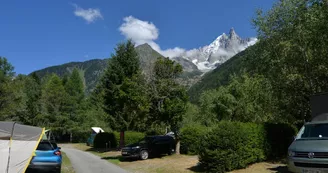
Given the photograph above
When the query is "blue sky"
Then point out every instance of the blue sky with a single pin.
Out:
(37, 34)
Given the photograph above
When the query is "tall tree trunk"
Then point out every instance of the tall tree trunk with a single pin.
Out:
(122, 140)
(71, 137)
(177, 147)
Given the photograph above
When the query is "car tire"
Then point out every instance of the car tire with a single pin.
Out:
(58, 171)
(170, 152)
(144, 154)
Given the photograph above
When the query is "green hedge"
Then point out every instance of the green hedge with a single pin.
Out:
(130, 137)
(191, 137)
(234, 145)
(81, 136)
(279, 137)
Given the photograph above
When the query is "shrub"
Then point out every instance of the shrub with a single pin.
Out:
(279, 137)
(191, 137)
(102, 139)
(234, 145)
(133, 137)
(130, 137)
(81, 136)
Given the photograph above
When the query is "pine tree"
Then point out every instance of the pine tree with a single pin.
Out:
(75, 101)
(54, 104)
(125, 95)
(32, 89)
(74, 86)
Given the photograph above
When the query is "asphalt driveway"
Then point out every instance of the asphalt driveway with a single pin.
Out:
(84, 162)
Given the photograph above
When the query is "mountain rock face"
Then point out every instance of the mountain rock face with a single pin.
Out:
(187, 65)
(219, 51)
(148, 57)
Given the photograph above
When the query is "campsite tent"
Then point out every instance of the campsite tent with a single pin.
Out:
(17, 145)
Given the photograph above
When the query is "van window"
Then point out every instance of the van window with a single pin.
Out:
(315, 131)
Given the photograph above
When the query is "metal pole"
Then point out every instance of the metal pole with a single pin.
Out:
(10, 141)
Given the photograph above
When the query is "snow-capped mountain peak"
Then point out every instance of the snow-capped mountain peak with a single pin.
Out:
(220, 50)
(233, 35)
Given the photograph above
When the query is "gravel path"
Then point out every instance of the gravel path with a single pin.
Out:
(84, 162)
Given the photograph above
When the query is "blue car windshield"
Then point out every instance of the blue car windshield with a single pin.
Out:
(314, 131)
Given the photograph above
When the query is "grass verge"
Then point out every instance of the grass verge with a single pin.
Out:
(66, 165)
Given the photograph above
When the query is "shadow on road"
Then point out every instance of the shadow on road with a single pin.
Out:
(99, 150)
(120, 158)
(196, 168)
(280, 169)
(123, 159)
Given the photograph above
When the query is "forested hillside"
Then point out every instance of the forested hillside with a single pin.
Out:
(92, 70)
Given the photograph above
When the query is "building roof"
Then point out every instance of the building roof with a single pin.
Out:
(97, 129)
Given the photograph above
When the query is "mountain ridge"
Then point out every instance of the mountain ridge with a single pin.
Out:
(197, 65)
(224, 47)
(92, 70)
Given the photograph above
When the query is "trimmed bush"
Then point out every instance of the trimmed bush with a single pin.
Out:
(130, 137)
(102, 139)
(234, 145)
(191, 137)
(279, 137)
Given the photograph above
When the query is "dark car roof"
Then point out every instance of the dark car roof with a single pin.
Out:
(160, 137)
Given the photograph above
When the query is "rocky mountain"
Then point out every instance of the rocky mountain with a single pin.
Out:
(220, 75)
(93, 69)
(219, 51)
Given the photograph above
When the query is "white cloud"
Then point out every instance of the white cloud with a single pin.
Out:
(138, 30)
(142, 32)
(90, 14)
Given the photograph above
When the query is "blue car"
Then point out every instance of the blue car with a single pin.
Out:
(47, 158)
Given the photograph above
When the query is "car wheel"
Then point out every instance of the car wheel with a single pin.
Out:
(144, 155)
(170, 152)
(58, 170)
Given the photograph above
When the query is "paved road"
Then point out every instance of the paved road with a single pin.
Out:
(84, 162)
